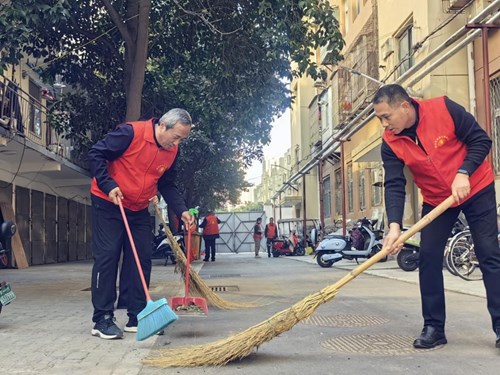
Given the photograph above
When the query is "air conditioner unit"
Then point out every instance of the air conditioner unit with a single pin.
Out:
(387, 48)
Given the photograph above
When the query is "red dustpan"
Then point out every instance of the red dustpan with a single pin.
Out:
(188, 306)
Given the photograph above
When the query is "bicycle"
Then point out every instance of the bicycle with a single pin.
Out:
(462, 257)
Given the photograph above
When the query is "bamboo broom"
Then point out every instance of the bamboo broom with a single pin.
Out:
(196, 283)
(238, 346)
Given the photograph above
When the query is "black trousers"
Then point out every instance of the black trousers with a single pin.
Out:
(109, 239)
(209, 247)
(480, 211)
(269, 245)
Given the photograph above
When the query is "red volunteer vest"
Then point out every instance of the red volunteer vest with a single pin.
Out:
(271, 230)
(140, 167)
(255, 235)
(212, 226)
(434, 172)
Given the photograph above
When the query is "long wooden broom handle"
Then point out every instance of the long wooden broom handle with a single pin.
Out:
(417, 227)
(167, 230)
(134, 251)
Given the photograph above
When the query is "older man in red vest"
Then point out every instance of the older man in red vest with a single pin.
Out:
(132, 163)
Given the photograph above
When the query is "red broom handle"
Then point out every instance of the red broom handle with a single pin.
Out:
(188, 260)
(134, 251)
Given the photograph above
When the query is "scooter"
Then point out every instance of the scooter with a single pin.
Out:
(283, 246)
(162, 248)
(408, 257)
(363, 242)
(7, 230)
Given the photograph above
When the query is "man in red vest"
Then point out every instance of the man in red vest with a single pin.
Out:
(132, 163)
(210, 225)
(271, 233)
(445, 150)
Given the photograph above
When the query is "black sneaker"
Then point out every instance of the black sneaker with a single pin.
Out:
(107, 329)
(131, 325)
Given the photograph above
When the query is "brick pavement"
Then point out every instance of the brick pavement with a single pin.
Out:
(47, 329)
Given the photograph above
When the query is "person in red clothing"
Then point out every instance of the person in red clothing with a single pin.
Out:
(445, 150)
(210, 225)
(271, 233)
(131, 163)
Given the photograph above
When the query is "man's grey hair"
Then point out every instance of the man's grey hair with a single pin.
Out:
(176, 115)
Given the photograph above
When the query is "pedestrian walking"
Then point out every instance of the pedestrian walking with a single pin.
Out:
(445, 150)
(131, 163)
(210, 225)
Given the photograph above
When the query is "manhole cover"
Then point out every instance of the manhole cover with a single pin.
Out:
(230, 288)
(373, 344)
(345, 320)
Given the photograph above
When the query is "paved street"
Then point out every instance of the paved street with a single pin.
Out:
(367, 328)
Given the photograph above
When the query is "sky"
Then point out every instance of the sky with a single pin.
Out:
(280, 143)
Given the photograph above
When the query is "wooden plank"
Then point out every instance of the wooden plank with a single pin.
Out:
(17, 245)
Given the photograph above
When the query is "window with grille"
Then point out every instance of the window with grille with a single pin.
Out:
(350, 187)
(35, 112)
(362, 201)
(338, 192)
(495, 122)
(405, 42)
(327, 200)
(376, 180)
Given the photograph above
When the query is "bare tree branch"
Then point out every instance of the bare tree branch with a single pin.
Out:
(117, 20)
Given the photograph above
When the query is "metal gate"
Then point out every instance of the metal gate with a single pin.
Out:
(236, 231)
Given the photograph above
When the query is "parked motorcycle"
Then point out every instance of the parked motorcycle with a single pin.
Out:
(408, 257)
(162, 248)
(7, 230)
(287, 246)
(363, 242)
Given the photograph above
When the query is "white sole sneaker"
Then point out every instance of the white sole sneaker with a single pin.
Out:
(128, 329)
(134, 330)
(96, 332)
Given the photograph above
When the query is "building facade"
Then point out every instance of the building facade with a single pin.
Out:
(432, 48)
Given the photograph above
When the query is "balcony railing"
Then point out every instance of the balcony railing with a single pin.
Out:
(25, 115)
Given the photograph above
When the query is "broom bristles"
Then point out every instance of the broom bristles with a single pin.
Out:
(238, 346)
(196, 283)
(242, 344)
(156, 316)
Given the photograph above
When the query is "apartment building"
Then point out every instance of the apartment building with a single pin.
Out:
(432, 48)
(44, 186)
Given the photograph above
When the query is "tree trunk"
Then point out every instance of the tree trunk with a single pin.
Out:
(136, 55)
(135, 33)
